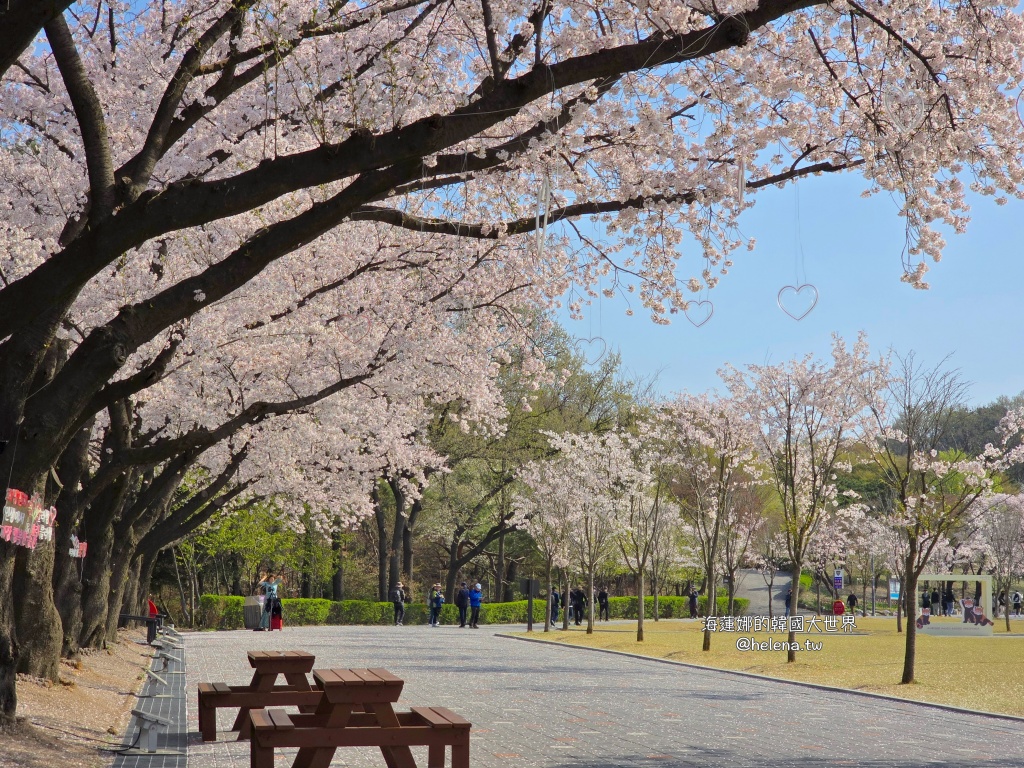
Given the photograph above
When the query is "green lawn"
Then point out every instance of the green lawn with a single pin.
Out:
(976, 673)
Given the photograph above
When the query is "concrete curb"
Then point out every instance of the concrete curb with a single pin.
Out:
(816, 686)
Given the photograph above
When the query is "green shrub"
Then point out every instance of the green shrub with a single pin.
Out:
(305, 612)
(220, 612)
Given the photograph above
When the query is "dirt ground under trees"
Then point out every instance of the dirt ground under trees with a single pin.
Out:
(76, 722)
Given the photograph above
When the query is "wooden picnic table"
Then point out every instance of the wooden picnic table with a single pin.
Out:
(356, 710)
(262, 691)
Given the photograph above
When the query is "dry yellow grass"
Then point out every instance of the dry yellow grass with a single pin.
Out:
(973, 672)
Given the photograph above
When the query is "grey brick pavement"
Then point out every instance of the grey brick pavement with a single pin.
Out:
(563, 707)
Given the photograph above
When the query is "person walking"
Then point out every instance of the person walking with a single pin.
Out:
(462, 603)
(398, 601)
(1017, 602)
(436, 601)
(579, 600)
(476, 596)
(693, 603)
(789, 602)
(602, 604)
(1001, 603)
(556, 602)
(947, 602)
(936, 601)
(851, 603)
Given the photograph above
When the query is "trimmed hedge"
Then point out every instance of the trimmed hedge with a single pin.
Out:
(225, 612)
(670, 607)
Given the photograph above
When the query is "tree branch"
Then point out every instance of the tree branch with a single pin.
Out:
(89, 114)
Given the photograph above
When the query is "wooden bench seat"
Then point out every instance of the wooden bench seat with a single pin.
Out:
(262, 691)
(432, 727)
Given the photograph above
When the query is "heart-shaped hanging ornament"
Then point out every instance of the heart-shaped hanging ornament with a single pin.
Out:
(355, 326)
(904, 108)
(591, 350)
(699, 312)
(797, 301)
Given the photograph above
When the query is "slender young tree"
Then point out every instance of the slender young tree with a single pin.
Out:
(807, 411)
(708, 444)
(933, 496)
(1002, 528)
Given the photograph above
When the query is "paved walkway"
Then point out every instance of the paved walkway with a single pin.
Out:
(562, 707)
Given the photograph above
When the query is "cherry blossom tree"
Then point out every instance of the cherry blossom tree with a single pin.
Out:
(743, 519)
(597, 469)
(157, 160)
(769, 558)
(545, 511)
(670, 551)
(639, 497)
(708, 444)
(933, 496)
(830, 547)
(1002, 528)
(807, 413)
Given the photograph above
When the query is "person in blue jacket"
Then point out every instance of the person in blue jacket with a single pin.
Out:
(436, 601)
(476, 596)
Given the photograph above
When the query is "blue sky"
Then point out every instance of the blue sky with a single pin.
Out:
(851, 254)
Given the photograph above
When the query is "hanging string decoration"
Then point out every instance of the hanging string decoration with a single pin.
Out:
(543, 211)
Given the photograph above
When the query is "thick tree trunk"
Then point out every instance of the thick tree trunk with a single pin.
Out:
(35, 613)
(36, 617)
(407, 539)
(454, 564)
(120, 575)
(383, 589)
(144, 585)
(96, 587)
(397, 534)
(511, 576)
(9, 650)
(67, 596)
(130, 602)
(67, 571)
(338, 576)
